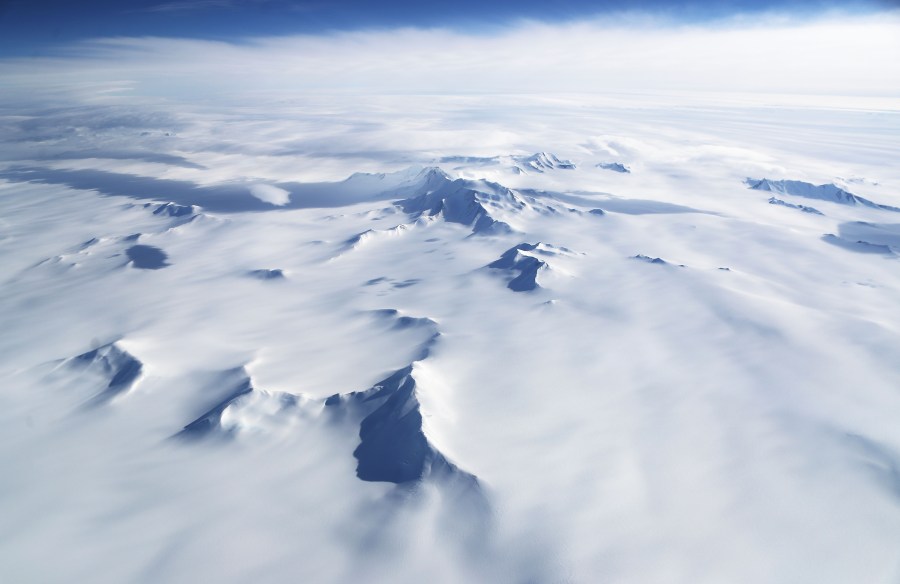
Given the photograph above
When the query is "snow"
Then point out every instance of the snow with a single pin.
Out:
(412, 370)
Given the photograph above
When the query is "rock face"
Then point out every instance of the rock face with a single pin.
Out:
(517, 259)
(393, 446)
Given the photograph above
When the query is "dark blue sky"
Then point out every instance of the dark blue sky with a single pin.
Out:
(34, 27)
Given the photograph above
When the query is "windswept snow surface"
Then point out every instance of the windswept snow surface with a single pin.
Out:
(264, 345)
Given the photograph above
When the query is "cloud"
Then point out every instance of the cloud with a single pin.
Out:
(271, 194)
(847, 55)
(189, 5)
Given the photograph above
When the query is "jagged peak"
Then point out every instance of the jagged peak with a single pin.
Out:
(118, 367)
(473, 203)
(541, 161)
(393, 444)
(170, 209)
(524, 259)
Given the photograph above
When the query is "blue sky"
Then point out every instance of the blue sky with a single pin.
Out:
(32, 27)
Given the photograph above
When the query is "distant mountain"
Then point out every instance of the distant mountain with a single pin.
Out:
(542, 161)
(824, 192)
(538, 162)
(483, 205)
(614, 166)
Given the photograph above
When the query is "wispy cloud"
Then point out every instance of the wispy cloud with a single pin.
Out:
(201, 5)
(836, 56)
(192, 5)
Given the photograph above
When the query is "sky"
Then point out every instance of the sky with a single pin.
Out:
(34, 27)
(96, 50)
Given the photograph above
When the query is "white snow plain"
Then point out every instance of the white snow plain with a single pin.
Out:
(724, 411)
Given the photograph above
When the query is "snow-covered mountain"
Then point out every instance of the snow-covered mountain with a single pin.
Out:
(825, 192)
(539, 162)
(486, 207)
(400, 360)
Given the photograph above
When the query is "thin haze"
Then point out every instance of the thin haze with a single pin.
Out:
(30, 27)
(840, 55)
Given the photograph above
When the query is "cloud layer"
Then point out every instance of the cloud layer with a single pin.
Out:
(837, 56)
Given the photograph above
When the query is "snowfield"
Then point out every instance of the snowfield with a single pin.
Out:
(446, 340)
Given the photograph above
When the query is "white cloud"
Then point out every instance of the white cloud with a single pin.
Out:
(850, 55)
(271, 194)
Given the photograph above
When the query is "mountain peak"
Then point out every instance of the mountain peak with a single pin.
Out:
(542, 161)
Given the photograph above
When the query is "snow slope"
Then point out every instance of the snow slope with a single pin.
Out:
(451, 373)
